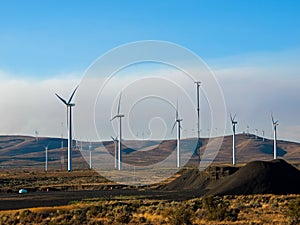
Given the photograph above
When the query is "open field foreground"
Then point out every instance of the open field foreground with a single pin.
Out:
(255, 192)
(260, 192)
(251, 209)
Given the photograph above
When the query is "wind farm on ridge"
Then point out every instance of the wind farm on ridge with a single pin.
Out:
(241, 158)
(118, 139)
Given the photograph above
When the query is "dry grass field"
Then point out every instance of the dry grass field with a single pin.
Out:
(251, 209)
(249, 193)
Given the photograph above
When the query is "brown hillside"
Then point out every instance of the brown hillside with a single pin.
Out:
(22, 151)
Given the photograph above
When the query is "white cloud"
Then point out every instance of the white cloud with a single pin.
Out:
(252, 91)
(26, 106)
(260, 84)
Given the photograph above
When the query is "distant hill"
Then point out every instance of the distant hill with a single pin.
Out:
(249, 148)
(23, 151)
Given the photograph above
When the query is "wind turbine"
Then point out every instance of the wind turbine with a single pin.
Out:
(275, 124)
(234, 123)
(62, 149)
(198, 83)
(69, 122)
(36, 135)
(90, 150)
(263, 135)
(247, 130)
(46, 158)
(120, 116)
(256, 133)
(177, 122)
(115, 140)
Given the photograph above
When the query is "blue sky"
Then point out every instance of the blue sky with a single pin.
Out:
(252, 47)
(43, 38)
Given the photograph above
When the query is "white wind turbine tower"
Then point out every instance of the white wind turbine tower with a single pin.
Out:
(69, 122)
(198, 83)
(90, 151)
(115, 140)
(46, 157)
(256, 133)
(36, 135)
(275, 124)
(178, 123)
(120, 116)
(234, 123)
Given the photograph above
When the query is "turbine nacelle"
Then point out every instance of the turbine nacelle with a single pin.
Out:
(198, 83)
(117, 116)
(114, 139)
(275, 123)
(68, 103)
(233, 122)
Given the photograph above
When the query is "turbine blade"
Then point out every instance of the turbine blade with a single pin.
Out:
(272, 118)
(234, 116)
(173, 128)
(119, 105)
(64, 101)
(112, 138)
(231, 118)
(177, 110)
(72, 95)
(114, 118)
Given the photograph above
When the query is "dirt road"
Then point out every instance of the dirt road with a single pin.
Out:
(56, 198)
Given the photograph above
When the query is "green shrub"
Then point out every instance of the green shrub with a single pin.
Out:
(215, 208)
(123, 217)
(294, 211)
(26, 216)
(180, 215)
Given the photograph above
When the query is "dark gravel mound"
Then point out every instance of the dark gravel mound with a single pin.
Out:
(260, 177)
(189, 179)
(193, 179)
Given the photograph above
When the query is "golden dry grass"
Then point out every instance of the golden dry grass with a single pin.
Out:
(254, 209)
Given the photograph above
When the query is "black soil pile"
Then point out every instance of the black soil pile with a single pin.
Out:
(260, 177)
(193, 179)
(188, 179)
